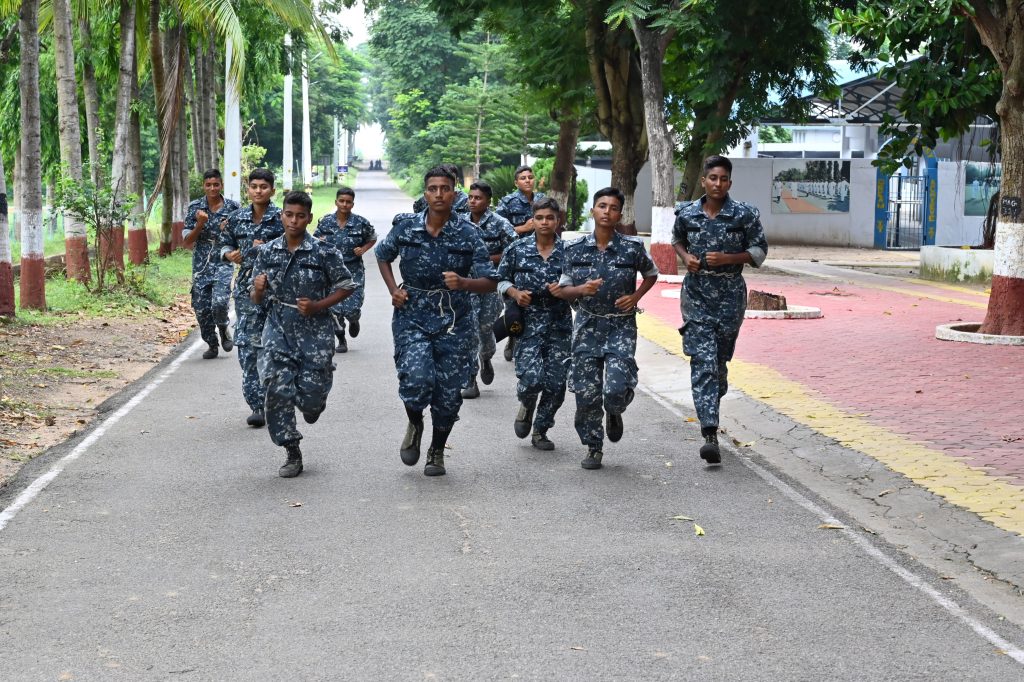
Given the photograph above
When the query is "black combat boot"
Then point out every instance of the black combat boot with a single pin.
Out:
(541, 441)
(435, 462)
(342, 346)
(211, 352)
(410, 449)
(293, 465)
(613, 426)
(256, 419)
(486, 371)
(471, 391)
(508, 349)
(709, 452)
(353, 328)
(593, 458)
(524, 419)
(226, 342)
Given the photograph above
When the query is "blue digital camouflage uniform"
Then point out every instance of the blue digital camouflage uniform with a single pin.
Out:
(240, 233)
(357, 232)
(603, 369)
(211, 277)
(434, 331)
(497, 234)
(295, 365)
(516, 208)
(542, 351)
(713, 300)
(459, 205)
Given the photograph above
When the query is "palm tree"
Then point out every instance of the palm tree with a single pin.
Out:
(75, 235)
(6, 269)
(30, 194)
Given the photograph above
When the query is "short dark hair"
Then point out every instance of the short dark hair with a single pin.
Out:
(717, 161)
(611, 192)
(522, 169)
(439, 172)
(343, 190)
(212, 173)
(545, 204)
(297, 198)
(482, 186)
(261, 174)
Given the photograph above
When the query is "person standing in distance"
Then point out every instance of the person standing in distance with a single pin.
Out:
(715, 236)
(433, 323)
(517, 208)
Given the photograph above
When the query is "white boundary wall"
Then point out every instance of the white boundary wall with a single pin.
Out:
(952, 227)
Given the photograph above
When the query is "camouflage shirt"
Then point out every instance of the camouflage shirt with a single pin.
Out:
(516, 208)
(357, 232)
(524, 268)
(240, 233)
(458, 248)
(203, 253)
(736, 228)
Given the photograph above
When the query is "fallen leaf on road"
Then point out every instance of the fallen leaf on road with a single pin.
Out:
(1013, 439)
(887, 312)
(742, 444)
(691, 419)
(831, 526)
(668, 464)
(698, 530)
(948, 577)
(918, 391)
(681, 518)
(868, 530)
(885, 492)
(294, 504)
(577, 648)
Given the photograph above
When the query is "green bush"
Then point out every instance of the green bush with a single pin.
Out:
(502, 180)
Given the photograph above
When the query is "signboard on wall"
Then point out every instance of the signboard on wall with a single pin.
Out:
(981, 181)
(810, 186)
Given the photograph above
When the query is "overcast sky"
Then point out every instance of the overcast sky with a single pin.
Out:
(357, 23)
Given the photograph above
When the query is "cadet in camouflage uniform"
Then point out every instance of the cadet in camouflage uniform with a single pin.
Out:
(715, 236)
(211, 277)
(600, 274)
(530, 271)
(517, 208)
(461, 202)
(497, 234)
(297, 279)
(433, 323)
(353, 235)
(239, 241)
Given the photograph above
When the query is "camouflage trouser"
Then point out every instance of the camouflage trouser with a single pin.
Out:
(710, 345)
(289, 385)
(248, 331)
(352, 307)
(542, 363)
(433, 368)
(487, 308)
(210, 295)
(597, 382)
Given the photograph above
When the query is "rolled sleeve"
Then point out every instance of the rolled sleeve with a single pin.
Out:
(387, 248)
(565, 280)
(340, 276)
(503, 286)
(757, 244)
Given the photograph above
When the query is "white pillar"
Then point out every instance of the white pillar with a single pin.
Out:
(232, 133)
(287, 158)
(307, 153)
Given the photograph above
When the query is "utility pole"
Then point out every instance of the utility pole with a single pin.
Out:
(307, 153)
(232, 133)
(287, 160)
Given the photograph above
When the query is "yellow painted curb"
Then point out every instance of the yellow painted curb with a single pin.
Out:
(995, 498)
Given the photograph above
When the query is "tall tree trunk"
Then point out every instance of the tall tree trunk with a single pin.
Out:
(653, 43)
(6, 267)
(198, 152)
(615, 71)
(138, 237)
(565, 156)
(213, 85)
(180, 170)
(92, 100)
(76, 236)
(33, 272)
(111, 238)
(1005, 314)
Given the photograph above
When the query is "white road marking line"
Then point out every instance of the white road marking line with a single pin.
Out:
(911, 578)
(37, 486)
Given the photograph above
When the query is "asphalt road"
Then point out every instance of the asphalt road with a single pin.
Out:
(170, 549)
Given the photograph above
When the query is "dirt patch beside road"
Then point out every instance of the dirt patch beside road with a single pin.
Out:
(52, 377)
